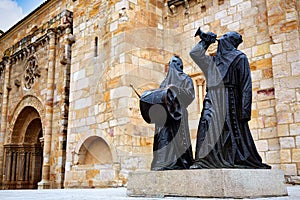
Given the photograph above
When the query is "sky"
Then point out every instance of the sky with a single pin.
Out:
(12, 11)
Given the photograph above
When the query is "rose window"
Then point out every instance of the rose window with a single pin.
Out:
(31, 73)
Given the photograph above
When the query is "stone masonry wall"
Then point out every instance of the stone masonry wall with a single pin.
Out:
(118, 43)
(29, 41)
(283, 20)
(270, 32)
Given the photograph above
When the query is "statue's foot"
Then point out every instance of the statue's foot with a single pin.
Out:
(195, 166)
(158, 169)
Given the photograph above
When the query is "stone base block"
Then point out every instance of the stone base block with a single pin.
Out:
(43, 185)
(219, 183)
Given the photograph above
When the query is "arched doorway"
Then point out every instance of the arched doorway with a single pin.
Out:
(24, 153)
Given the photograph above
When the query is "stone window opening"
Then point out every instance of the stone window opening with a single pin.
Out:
(96, 47)
(203, 9)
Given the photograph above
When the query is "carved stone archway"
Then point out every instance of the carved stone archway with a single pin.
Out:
(27, 101)
(94, 150)
(23, 155)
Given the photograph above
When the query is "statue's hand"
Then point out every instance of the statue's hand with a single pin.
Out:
(208, 37)
(211, 37)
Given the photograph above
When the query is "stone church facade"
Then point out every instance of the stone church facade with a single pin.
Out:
(69, 117)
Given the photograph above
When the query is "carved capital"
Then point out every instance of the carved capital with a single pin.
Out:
(71, 39)
(63, 60)
(2, 69)
(17, 82)
(51, 32)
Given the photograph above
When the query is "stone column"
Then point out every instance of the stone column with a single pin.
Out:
(36, 163)
(3, 125)
(66, 64)
(14, 164)
(21, 165)
(27, 166)
(44, 183)
(8, 165)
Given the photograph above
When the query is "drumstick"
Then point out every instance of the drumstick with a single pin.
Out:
(135, 91)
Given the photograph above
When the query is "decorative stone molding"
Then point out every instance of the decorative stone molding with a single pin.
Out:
(123, 17)
(173, 4)
(31, 73)
(38, 35)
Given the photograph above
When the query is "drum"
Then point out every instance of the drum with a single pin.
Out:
(159, 104)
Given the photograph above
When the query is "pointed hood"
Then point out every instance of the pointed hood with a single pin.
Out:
(175, 74)
(227, 51)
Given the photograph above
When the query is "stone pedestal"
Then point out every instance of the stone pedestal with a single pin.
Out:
(219, 183)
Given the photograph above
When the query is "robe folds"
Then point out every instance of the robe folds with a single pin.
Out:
(167, 109)
(224, 139)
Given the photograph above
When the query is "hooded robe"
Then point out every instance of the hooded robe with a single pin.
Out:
(172, 144)
(224, 139)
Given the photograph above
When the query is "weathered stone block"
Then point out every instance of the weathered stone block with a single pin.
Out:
(267, 73)
(235, 2)
(124, 91)
(295, 68)
(297, 141)
(221, 14)
(269, 132)
(276, 48)
(262, 145)
(265, 63)
(289, 169)
(279, 59)
(287, 142)
(297, 112)
(244, 6)
(220, 183)
(285, 118)
(295, 129)
(296, 155)
(264, 108)
(234, 26)
(270, 121)
(290, 82)
(250, 12)
(273, 144)
(231, 10)
(226, 20)
(257, 74)
(261, 49)
(285, 155)
(273, 157)
(293, 56)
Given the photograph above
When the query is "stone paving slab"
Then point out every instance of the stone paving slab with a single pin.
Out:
(108, 194)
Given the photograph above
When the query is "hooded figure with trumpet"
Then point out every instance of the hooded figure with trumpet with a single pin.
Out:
(224, 139)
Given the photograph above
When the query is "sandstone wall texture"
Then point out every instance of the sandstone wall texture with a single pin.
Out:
(69, 65)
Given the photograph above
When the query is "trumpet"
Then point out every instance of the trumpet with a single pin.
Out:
(208, 37)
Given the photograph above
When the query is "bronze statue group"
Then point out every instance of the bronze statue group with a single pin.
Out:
(224, 139)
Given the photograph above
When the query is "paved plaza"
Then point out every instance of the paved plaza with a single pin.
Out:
(107, 194)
